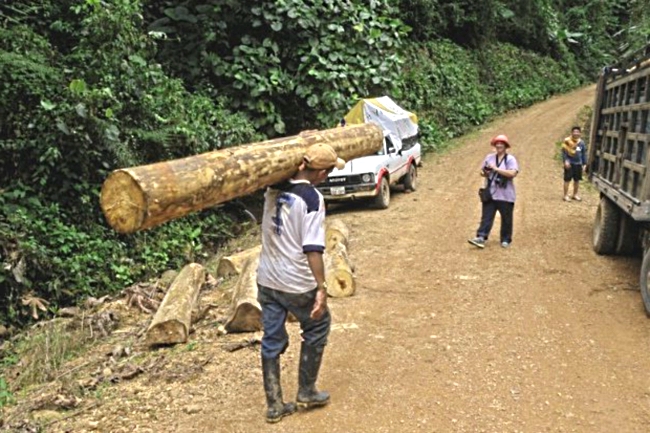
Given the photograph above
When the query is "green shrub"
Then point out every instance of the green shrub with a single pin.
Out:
(440, 81)
(83, 95)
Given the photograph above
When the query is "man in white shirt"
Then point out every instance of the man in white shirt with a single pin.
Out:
(291, 278)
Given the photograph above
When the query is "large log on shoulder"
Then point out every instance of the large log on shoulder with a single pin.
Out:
(138, 198)
(171, 323)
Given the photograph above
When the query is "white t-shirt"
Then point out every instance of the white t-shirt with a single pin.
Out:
(293, 225)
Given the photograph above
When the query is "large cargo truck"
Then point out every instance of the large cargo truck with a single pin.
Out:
(619, 159)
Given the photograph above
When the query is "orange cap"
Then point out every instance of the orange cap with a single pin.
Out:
(502, 138)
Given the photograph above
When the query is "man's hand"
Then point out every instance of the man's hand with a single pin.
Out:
(320, 304)
(567, 164)
(584, 169)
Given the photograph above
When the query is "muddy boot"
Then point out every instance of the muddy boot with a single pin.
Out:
(310, 360)
(277, 409)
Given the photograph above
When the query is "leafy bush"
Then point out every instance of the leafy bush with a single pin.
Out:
(290, 64)
(516, 78)
(441, 83)
(453, 89)
(84, 97)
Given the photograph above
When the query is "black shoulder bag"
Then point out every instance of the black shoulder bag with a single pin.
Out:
(484, 193)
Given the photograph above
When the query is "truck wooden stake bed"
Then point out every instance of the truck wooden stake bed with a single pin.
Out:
(619, 159)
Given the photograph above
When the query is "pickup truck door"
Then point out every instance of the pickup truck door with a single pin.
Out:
(396, 161)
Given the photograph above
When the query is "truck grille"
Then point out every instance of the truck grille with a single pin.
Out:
(354, 179)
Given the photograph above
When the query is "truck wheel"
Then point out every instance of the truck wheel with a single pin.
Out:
(383, 198)
(606, 227)
(645, 276)
(411, 178)
(628, 242)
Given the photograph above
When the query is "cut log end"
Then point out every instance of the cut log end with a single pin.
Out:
(233, 264)
(340, 283)
(170, 332)
(171, 323)
(123, 202)
(247, 317)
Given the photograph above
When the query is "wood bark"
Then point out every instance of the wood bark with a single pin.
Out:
(138, 198)
(336, 232)
(338, 267)
(246, 312)
(233, 264)
(171, 323)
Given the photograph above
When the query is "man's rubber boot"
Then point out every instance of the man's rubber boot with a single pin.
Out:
(310, 360)
(277, 409)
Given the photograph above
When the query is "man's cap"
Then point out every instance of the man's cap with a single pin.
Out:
(502, 138)
(322, 157)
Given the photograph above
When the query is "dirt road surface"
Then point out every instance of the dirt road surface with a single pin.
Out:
(441, 337)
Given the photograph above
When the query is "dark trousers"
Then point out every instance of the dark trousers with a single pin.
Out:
(490, 209)
(275, 306)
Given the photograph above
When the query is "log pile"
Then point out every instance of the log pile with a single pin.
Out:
(246, 313)
(173, 319)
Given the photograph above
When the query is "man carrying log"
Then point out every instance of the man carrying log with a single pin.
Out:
(291, 278)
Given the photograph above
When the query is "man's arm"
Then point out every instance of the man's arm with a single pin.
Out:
(317, 267)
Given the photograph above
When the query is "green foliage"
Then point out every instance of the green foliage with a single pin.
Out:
(289, 64)
(518, 78)
(6, 396)
(83, 96)
(441, 83)
(48, 255)
(454, 89)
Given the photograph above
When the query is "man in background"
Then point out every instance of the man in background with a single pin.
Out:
(574, 156)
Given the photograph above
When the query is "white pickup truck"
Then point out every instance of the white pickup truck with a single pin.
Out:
(371, 177)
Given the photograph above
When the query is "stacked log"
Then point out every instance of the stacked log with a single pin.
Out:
(173, 319)
(246, 312)
(338, 267)
(233, 264)
(245, 315)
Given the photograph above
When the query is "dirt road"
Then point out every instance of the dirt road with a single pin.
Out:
(442, 337)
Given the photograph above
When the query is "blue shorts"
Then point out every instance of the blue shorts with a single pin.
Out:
(275, 307)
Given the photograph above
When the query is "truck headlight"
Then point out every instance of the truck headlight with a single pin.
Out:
(366, 178)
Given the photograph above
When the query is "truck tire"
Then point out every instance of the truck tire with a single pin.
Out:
(628, 241)
(383, 198)
(411, 178)
(643, 281)
(606, 227)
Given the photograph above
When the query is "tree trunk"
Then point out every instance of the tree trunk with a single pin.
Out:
(338, 268)
(336, 232)
(171, 323)
(138, 198)
(246, 312)
(233, 264)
